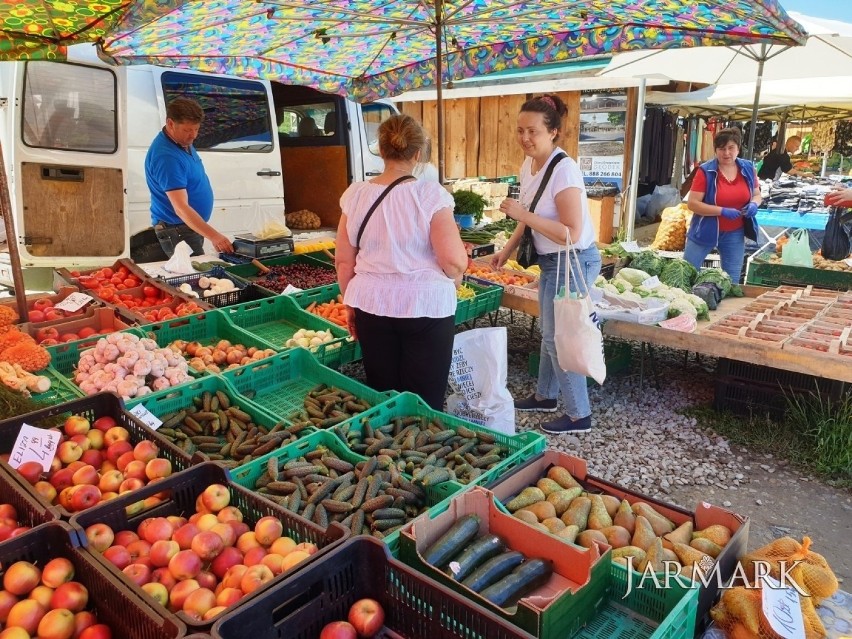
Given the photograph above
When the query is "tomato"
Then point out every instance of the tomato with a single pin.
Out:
(122, 270)
(165, 313)
(126, 296)
(150, 291)
(116, 279)
(89, 282)
(106, 294)
(167, 299)
(120, 287)
(106, 272)
(131, 282)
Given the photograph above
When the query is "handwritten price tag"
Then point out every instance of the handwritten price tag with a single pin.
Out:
(34, 444)
(146, 417)
(782, 609)
(74, 302)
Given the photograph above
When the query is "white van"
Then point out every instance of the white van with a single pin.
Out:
(75, 135)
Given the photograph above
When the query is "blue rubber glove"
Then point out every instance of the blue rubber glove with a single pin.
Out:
(750, 209)
(731, 214)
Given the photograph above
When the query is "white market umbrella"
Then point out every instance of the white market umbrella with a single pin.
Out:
(827, 53)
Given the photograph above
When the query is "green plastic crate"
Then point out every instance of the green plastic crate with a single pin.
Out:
(522, 446)
(246, 476)
(179, 397)
(64, 357)
(487, 300)
(646, 613)
(279, 384)
(206, 328)
(762, 273)
(61, 389)
(249, 272)
(320, 296)
(274, 320)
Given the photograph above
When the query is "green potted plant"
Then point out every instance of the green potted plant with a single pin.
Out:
(469, 207)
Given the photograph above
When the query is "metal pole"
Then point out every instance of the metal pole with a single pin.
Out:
(637, 157)
(760, 61)
(824, 163)
(439, 81)
(12, 243)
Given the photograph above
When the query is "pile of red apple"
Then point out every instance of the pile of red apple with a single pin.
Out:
(366, 618)
(10, 526)
(47, 603)
(203, 564)
(42, 310)
(95, 462)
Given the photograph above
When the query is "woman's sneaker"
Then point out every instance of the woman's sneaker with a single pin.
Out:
(533, 404)
(565, 424)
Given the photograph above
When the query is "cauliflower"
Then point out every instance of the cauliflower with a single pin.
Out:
(609, 288)
(700, 306)
(631, 296)
(600, 281)
(681, 306)
(623, 286)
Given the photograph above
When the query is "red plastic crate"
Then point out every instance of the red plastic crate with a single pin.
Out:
(126, 614)
(91, 407)
(183, 489)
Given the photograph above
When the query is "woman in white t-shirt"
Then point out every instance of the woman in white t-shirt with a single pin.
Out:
(400, 281)
(562, 209)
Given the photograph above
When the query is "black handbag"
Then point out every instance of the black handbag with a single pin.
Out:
(527, 255)
(838, 234)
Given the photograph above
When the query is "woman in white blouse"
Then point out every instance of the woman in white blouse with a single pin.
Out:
(398, 270)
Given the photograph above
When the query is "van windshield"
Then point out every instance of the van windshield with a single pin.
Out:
(236, 112)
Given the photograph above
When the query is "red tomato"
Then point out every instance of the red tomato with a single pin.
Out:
(126, 296)
(75, 273)
(150, 291)
(106, 272)
(89, 282)
(131, 282)
(106, 294)
(121, 287)
(116, 279)
(122, 270)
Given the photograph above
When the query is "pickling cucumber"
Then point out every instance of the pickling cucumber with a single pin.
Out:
(452, 542)
(493, 570)
(480, 550)
(524, 579)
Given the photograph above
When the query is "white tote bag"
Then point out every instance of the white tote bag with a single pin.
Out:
(579, 342)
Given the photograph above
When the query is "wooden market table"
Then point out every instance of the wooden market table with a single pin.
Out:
(710, 344)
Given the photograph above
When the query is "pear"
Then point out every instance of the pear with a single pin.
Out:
(526, 515)
(689, 555)
(598, 516)
(717, 533)
(587, 538)
(653, 557)
(547, 485)
(644, 535)
(706, 546)
(624, 517)
(578, 513)
(553, 524)
(527, 497)
(744, 605)
(660, 524)
(680, 535)
(669, 554)
(611, 503)
(561, 476)
(629, 551)
(562, 498)
(616, 536)
(569, 533)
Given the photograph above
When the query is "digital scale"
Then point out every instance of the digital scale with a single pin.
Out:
(247, 248)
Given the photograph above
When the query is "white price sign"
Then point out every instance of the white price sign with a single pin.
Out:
(631, 247)
(34, 444)
(290, 290)
(74, 302)
(848, 261)
(651, 283)
(782, 609)
(146, 417)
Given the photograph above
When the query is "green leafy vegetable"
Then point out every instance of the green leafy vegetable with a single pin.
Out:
(718, 277)
(649, 262)
(634, 276)
(679, 274)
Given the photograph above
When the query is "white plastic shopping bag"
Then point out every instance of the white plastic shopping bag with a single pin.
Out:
(478, 379)
(180, 263)
(579, 342)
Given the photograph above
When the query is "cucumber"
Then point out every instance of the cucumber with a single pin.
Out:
(524, 579)
(482, 549)
(452, 542)
(493, 570)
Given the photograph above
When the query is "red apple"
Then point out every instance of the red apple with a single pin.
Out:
(86, 475)
(234, 576)
(96, 438)
(185, 565)
(31, 471)
(228, 596)
(367, 617)
(69, 451)
(307, 547)
(85, 496)
(155, 529)
(7, 511)
(131, 484)
(57, 572)
(139, 549)
(207, 544)
(62, 479)
(215, 497)
(162, 551)
(122, 462)
(117, 449)
(158, 468)
(110, 481)
(56, 624)
(116, 434)
(185, 534)
(100, 536)
(254, 555)
(229, 513)
(83, 441)
(207, 579)
(125, 537)
(104, 423)
(7, 600)
(206, 521)
(338, 630)
(255, 577)
(138, 573)
(157, 592)
(72, 595)
(82, 620)
(240, 527)
(42, 594)
(26, 614)
(180, 592)
(92, 457)
(76, 424)
(229, 556)
(118, 556)
(145, 450)
(98, 631)
(21, 577)
(163, 576)
(267, 530)
(199, 601)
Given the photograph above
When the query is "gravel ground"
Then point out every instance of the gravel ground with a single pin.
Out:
(642, 441)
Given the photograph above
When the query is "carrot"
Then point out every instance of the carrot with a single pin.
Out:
(311, 307)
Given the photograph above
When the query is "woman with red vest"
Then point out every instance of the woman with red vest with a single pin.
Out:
(723, 199)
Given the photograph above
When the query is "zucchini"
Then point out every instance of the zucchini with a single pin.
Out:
(451, 542)
(493, 570)
(479, 551)
(524, 579)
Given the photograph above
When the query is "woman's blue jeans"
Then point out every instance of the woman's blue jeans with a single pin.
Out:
(731, 247)
(551, 378)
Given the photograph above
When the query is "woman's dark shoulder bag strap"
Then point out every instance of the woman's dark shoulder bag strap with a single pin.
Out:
(375, 206)
(546, 178)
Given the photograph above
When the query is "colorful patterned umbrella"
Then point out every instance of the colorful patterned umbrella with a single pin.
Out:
(41, 29)
(369, 49)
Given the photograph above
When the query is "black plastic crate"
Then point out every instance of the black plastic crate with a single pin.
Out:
(91, 407)
(243, 293)
(183, 489)
(414, 605)
(731, 370)
(126, 614)
(31, 512)
(748, 398)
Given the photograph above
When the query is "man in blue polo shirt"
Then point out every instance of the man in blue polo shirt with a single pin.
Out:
(181, 195)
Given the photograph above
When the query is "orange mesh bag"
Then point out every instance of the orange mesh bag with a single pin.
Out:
(739, 614)
(8, 316)
(812, 571)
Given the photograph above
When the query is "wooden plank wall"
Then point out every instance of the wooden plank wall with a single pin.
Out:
(480, 132)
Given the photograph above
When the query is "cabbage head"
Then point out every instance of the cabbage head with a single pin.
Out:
(716, 276)
(679, 274)
(649, 262)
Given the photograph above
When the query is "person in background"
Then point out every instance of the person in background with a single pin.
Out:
(562, 210)
(399, 279)
(839, 197)
(777, 162)
(181, 195)
(724, 198)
